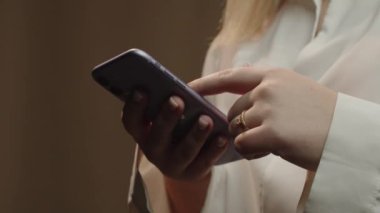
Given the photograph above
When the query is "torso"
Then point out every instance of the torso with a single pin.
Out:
(323, 48)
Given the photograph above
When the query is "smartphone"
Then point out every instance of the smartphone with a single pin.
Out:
(135, 69)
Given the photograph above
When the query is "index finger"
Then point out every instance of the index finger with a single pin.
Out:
(237, 81)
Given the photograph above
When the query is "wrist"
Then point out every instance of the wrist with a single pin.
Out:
(187, 195)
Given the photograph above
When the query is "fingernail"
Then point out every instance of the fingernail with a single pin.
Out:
(173, 104)
(137, 97)
(221, 142)
(203, 123)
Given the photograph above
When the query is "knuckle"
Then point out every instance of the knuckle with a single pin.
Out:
(263, 91)
(264, 111)
(267, 89)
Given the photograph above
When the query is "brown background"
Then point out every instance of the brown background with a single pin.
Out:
(62, 145)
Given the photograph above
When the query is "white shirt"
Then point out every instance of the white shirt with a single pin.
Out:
(344, 56)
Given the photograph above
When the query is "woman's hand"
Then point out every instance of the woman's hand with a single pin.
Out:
(285, 113)
(186, 159)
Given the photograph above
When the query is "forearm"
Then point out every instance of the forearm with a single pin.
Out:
(187, 196)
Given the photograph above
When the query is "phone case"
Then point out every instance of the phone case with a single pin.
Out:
(135, 69)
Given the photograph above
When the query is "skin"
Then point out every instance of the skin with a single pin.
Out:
(286, 114)
(186, 164)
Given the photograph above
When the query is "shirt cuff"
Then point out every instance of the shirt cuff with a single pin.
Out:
(348, 176)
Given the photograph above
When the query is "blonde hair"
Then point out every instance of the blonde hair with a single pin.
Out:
(243, 19)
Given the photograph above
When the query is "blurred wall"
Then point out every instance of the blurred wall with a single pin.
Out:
(62, 146)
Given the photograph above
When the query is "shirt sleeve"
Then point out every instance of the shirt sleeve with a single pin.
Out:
(348, 177)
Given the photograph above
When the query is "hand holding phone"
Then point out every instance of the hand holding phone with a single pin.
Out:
(165, 111)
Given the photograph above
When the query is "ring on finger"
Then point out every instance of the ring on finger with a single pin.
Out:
(240, 121)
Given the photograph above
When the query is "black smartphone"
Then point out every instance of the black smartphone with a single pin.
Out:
(135, 69)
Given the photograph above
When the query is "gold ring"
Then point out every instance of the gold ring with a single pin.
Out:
(240, 121)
